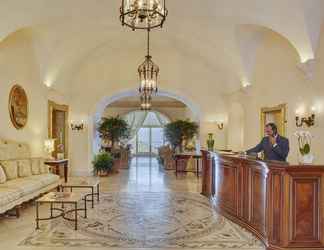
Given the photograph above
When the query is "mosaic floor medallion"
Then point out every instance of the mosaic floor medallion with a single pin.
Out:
(147, 220)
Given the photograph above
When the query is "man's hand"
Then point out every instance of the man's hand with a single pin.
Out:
(272, 140)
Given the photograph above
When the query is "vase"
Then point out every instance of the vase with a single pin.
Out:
(210, 142)
(306, 159)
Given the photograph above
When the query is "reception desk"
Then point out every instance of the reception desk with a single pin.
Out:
(283, 205)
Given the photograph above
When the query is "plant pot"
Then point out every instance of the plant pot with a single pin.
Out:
(109, 173)
(306, 159)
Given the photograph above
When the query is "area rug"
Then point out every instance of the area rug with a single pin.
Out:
(147, 220)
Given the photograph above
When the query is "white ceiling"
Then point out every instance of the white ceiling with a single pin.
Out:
(221, 36)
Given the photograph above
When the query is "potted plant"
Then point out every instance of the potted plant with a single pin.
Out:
(180, 132)
(102, 163)
(113, 129)
(304, 145)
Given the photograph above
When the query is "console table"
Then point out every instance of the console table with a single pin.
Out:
(57, 164)
(281, 204)
(185, 157)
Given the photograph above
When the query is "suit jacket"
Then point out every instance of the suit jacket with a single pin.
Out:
(277, 153)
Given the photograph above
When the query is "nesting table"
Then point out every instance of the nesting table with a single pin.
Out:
(62, 199)
(185, 157)
(91, 183)
(70, 199)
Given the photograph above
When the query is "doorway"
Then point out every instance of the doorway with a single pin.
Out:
(58, 128)
(276, 115)
(150, 135)
(149, 139)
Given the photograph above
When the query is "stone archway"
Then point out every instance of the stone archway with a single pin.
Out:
(105, 101)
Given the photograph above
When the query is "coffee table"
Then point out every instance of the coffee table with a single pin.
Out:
(91, 183)
(63, 199)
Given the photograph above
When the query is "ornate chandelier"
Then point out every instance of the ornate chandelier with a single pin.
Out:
(143, 14)
(146, 102)
(148, 73)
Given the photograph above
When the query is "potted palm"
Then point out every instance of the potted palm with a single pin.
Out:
(113, 129)
(102, 164)
(180, 132)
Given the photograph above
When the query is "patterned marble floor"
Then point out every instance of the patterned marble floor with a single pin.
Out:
(143, 207)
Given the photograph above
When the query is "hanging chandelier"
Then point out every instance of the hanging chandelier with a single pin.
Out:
(143, 14)
(148, 73)
(146, 102)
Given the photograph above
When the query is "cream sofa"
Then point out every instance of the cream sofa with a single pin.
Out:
(22, 178)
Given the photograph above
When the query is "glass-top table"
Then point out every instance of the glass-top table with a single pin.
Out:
(91, 183)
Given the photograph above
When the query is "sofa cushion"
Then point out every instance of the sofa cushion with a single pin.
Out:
(11, 169)
(8, 195)
(3, 177)
(24, 185)
(35, 166)
(24, 168)
(46, 179)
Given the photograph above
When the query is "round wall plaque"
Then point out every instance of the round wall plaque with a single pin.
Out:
(18, 107)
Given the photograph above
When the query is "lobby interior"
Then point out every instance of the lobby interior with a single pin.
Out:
(228, 67)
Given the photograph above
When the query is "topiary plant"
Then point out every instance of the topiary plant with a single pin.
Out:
(179, 131)
(113, 129)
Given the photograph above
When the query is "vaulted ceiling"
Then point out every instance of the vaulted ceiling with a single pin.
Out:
(218, 37)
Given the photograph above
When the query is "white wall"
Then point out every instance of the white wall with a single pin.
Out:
(19, 66)
(277, 80)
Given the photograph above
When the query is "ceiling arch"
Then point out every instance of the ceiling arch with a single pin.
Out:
(67, 33)
(249, 38)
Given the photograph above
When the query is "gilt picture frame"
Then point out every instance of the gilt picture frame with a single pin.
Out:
(18, 106)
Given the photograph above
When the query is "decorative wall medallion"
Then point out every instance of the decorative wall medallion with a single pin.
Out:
(18, 107)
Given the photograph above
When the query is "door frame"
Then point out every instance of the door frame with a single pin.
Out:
(150, 141)
(60, 107)
(282, 108)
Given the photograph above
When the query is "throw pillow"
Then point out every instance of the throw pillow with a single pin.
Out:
(24, 168)
(3, 177)
(11, 169)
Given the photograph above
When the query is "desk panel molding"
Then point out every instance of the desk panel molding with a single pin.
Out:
(282, 204)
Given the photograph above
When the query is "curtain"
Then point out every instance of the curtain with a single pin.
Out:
(162, 119)
(135, 121)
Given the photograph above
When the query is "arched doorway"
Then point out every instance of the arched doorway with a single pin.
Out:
(147, 132)
(106, 101)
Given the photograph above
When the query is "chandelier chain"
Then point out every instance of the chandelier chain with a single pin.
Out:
(148, 42)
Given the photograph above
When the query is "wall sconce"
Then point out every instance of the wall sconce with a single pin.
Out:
(77, 126)
(220, 126)
(309, 121)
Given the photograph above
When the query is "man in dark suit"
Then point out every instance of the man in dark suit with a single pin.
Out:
(274, 146)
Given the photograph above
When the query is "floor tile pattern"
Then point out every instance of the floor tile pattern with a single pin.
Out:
(147, 220)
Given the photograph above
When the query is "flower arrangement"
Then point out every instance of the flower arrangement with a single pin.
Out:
(304, 145)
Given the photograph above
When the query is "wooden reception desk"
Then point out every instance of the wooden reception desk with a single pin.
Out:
(281, 204)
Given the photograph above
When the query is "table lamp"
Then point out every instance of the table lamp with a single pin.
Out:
(49, 148)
